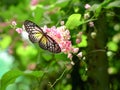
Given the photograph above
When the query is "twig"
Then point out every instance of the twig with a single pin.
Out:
(51, 85)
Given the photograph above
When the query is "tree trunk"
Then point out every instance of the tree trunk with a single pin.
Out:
(97, 58)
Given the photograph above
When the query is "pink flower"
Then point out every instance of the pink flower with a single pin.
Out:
(61, 35)
(14, 23)
(66, 46)
(34, 2)
(19, 30)
(75, 50)
(87, 6)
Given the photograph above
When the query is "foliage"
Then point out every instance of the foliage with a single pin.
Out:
(25, 66)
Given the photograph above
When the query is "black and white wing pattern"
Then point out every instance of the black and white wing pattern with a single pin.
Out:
(36, 34)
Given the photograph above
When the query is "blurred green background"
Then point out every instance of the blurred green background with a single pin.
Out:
(25, 66)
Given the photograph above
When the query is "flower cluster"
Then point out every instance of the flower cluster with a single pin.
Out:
(79, 39)
(87, 15)
(18, 30)
(62, 36)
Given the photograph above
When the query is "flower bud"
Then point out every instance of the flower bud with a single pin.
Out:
(72, 63)
(34, 2)
(87, 6)
(86, 15)
(70, 56)
(78, 40)
(79, 54)
(75, 50)
(62, 22)
(91, 24)
(14, 23)
(79, 35)
(19, 30)
(93, 35)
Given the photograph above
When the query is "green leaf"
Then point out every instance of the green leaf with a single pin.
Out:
(83, 43)
(47, 56)
(73, 21)
(36, 74)
(9, 78)
(61, 3)
(24, 52)
(113, 4)
(112, 46)
(38, 13)
(96, 8)
(67, 87)
(6, 40)
(61, 56)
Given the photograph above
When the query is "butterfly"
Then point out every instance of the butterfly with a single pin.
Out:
(37, 35)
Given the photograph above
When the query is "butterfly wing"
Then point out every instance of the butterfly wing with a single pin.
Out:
(49, 44)
(34, 31)
(36, 34)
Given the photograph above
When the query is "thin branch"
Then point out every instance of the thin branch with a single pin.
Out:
(52, 85)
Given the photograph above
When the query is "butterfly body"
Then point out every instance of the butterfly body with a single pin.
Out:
(36, 35)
